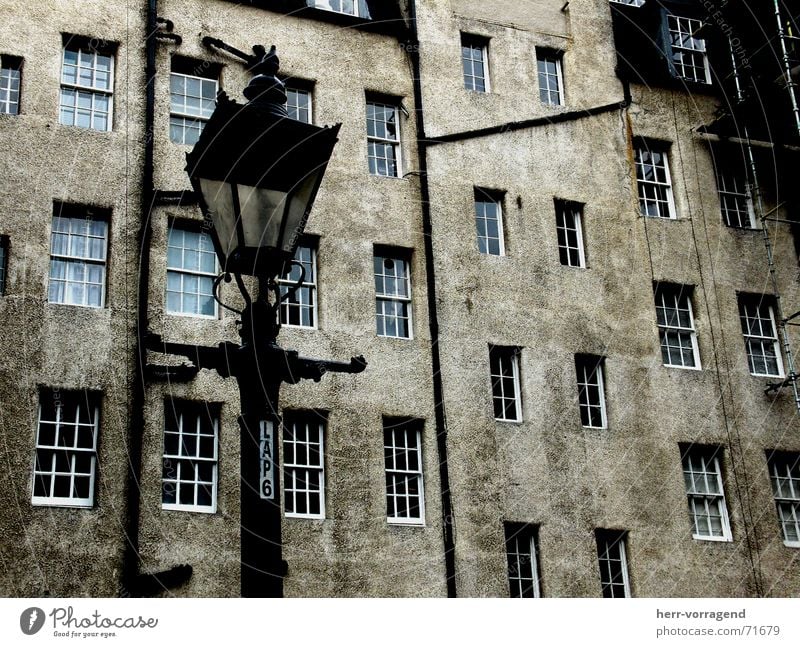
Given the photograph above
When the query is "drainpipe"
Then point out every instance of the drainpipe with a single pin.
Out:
(433, 317)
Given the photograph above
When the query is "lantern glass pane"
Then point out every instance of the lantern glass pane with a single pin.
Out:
(262, 213)
(220, 206)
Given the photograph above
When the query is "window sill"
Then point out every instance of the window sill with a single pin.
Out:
(172, 507)
(408, 523)
(186, 315)
(81, 129)
(52, 502)
(718, 540)
(509, 422)
(75, 305)
(791, 544)
(296, 327)
(683, 368)
(308, 517)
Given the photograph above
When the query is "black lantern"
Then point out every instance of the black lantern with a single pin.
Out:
(257, 173)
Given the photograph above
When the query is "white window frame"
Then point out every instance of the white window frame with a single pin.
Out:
(746, 303)
(734, 190)
(195, 411)
(92, 90)
(631, 3)
(544, 55)
(586, 367)
(476, 43)
(484, 197)
(182, 271)
(291, 469)
(786, 491)
(72, 259)
(311, 285)
(9, 74)
(325, 5)
(67, 502)
(414, 428)
(678, 293)
(564, 211)
(290, 88)
(682, 28)
(613, 540)
(186, 116)
(385, 297)
(518, 550)
(502, 354)
(642, 183)
(705, 461)
(394, 143)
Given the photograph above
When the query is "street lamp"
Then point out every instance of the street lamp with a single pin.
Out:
(256, 173)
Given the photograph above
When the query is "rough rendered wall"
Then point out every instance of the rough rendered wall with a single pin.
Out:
(548, 470)
(50, 550)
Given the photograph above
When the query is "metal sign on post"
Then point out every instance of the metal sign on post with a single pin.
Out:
(267, 451)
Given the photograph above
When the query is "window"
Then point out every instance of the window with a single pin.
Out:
(504, 371)
(613, 563)
(551, 84)
(383, 139)
(402, 450)
(189, 469)
(298, 103)
(688, 50)
(304, 465)
(784, 470)
(522, 556)
(78, 249)
(192, 92)
(703, 479)
(66, 448)
(87, 81)
(632, 3)
(489, 222)
(733, 188)
(757, 317)
(349, 7)
(653, 180)
(3, 263)
(569, 228)
(191, 270)
(392, 296)
(591, 392)
(676, 326)
(475, 62)
(300, 307)
(10, 78)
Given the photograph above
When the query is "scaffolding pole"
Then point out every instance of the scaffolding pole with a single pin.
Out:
(791, 86)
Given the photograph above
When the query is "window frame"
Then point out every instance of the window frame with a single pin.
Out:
(197, 410)
(544, 55)
(662, 148)
(70, 212)
(412, 426)
(80, 46)
(93, 401)
(300, 87)
(394, 104)
(613, 539)
(728, 181)
(512, 353)
(597, 364)
(309, 419)
(629, 3)
(679, 292)
(185, 116)
(311, 286)
(192, 227)
(791, 461)
(706, 454)
(759, 301)
(11, 63)
(356, 11)
(397, 256)
(530, 535)
(674, 49)
(474, 42)
(564, 208)
(483, 197)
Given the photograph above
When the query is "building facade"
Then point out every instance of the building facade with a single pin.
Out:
(559, 232)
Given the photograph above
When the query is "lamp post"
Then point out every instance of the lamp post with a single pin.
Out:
(256, 174)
